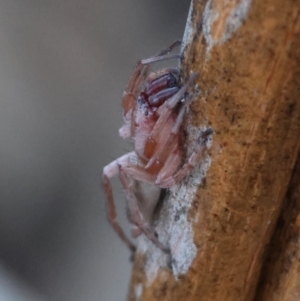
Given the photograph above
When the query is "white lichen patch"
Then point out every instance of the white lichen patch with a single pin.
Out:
(210, 16)
(174, 227)
(189, 30)
(230, 17)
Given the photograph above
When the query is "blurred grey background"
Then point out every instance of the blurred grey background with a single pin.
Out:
(63, 67)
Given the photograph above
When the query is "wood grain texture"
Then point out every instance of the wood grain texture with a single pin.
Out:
(248, 57)
(280, 277)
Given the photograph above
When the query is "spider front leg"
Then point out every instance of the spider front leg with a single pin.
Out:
(110, 171)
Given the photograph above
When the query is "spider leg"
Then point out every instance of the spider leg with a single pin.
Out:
(168, 151)
(135, 213)
(108, 172)
(163, 55)
(165, 111)
(160, 58)
(139, 173)
(165, 144)
(165, 181)
(170, 48)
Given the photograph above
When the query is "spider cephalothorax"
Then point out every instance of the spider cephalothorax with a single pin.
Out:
(154, 104)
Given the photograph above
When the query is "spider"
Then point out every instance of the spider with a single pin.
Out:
(154, 105)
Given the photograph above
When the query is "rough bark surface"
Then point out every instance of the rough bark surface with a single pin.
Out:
(248, 56)
(280, 278)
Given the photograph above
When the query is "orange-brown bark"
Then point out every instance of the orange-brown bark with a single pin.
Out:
(280, 276)
(248, 56)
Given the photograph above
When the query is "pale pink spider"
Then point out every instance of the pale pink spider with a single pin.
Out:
(154, 105)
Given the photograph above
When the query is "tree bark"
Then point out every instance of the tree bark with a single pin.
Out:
(220, 220)
(280, 276)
